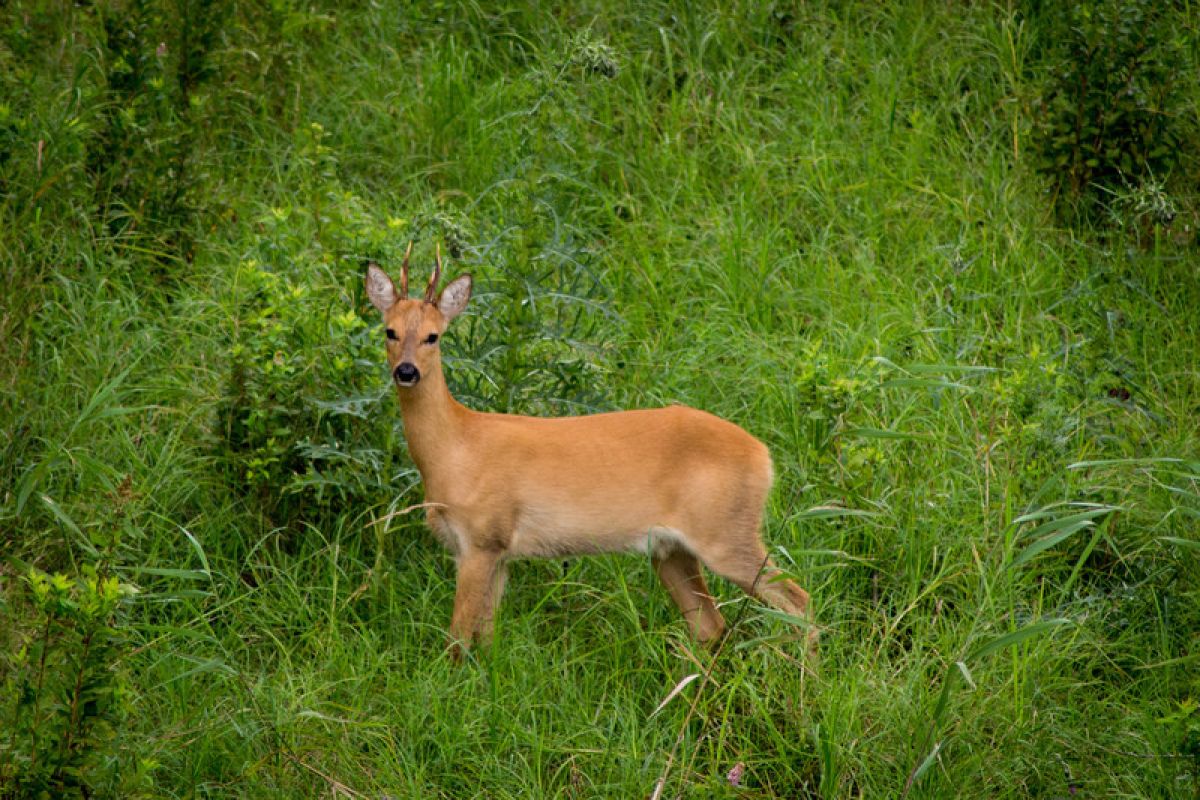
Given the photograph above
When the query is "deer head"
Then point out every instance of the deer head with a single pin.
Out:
(415, 327)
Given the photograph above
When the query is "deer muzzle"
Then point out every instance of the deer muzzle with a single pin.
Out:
(406, 374)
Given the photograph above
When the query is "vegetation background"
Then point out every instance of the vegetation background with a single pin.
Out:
(940, 256)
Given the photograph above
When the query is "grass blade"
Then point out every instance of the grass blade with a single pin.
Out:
(826, 512)
(1046, 542)
(882, 433)
(922, 768)
(671, 695)
(1097, 511)
(1017, 637)
(1187, 544)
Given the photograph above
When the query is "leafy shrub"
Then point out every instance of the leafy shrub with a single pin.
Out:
(304, 399)
(1183, 727)
(1109, 116)
(155, 58)
(827, 399)
(64, 697)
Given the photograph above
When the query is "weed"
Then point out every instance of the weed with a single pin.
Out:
(64, 696)
(1111, 113)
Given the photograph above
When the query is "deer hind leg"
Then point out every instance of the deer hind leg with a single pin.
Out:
(749, 567)
(679, 571)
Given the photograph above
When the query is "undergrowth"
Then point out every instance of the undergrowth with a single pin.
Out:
(867, 234)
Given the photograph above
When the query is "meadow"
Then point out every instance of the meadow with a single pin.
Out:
(861, 231)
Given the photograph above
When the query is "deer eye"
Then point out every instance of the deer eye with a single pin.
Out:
(431, 338)
(391, 334)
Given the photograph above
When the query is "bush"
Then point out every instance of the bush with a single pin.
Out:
(64, 696)
(1111, 113)
(301, 418)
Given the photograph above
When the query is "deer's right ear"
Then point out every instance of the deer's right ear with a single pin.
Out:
(380, 288)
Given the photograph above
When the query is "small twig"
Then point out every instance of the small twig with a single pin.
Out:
(362, 588)
(404, 511)
(336, 786)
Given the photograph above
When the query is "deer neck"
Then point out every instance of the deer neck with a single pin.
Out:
(433, 421)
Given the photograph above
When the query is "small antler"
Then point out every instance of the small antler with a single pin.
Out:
(404, 272)
(433, 279)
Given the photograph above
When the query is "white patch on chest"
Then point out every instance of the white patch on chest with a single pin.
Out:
(444, 531)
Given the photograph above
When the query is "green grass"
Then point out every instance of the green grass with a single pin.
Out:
(816, 221)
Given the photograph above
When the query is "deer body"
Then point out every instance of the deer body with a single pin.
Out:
(680, 484)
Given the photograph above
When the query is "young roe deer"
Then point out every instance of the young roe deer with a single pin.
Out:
(678, 483)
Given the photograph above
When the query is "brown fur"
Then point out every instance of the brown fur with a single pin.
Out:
(681, 484)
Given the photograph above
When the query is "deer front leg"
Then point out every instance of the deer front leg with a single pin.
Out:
(487, 615)
(474, 598)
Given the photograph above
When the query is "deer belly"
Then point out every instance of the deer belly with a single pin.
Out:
(553, 533)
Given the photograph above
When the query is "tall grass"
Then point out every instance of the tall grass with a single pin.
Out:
(818, 221)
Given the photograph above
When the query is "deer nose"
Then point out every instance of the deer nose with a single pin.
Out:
(407, 374)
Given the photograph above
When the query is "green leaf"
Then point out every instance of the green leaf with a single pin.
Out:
(924, 383)
(1189, 544)
(1095, 511)
(880, 433)
(62, 516)
(102, 396)
(199, 551)
(30, 480)
(169, 572)
(1046, 542)
(924, 766)
(1115, 462)
(825, 512)
(790, 619)
(1017, 637)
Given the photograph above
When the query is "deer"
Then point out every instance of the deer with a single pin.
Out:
(677, 483)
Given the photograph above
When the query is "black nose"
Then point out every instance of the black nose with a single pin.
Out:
(407, 374)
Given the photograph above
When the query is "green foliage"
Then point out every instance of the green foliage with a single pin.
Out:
(303, 411)
(65, 695)
(827, 405)
(813, 220)
(1113, 110)
(300, 407)
(123, 138)
(1183, 726)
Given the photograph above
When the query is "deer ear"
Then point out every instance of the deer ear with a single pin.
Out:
(380, 288)
(454, 297)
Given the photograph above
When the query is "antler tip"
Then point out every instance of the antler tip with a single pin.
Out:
(437, 273)
(404, 271)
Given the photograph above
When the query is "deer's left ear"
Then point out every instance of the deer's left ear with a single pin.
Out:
(380, 288)
(454, 297)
